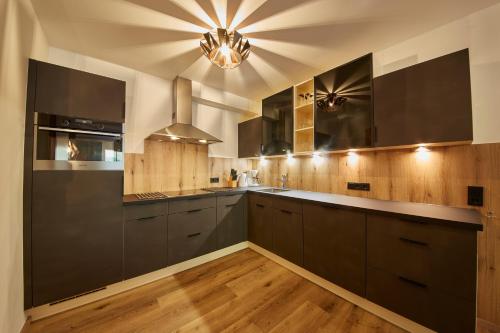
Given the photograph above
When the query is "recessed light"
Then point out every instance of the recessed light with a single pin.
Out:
(202, 141)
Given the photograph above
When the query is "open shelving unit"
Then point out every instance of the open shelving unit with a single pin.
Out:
(304, 117)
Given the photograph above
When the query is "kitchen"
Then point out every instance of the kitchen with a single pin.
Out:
(249, 166)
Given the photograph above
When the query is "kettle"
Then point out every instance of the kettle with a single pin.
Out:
(242, 180)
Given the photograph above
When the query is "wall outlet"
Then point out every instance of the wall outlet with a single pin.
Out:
(214, 180)
(475, 195)
(358, 186)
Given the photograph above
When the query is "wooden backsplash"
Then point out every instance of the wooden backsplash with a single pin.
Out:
(169, 166)
(440, 176)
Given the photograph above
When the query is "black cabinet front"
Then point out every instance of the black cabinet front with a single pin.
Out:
(231, 220)
(287, 230)
(69, 92)
(343, 110)
(250, 138)
(77, 233)
(260, 221)
(426, 103)
(277, 123)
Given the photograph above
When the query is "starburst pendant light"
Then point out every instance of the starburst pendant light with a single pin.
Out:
(225, 49)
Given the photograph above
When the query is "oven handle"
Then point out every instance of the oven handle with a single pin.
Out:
(67, 130)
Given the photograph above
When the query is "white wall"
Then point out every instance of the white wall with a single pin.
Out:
(480, 32)
(20, 38)
(149, 104)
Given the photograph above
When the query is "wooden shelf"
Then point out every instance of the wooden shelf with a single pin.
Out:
(305, 106)
(304, 129)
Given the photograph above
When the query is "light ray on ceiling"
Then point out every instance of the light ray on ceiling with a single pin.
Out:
(199, 68)
(273, 77)
(295, 51)
(220, 7)
(247, 7)
(194, 8)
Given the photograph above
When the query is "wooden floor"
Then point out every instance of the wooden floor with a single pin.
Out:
(242, 292)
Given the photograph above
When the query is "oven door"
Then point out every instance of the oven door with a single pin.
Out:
(71, 149)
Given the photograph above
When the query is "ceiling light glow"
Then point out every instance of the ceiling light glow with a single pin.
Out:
(225, 49)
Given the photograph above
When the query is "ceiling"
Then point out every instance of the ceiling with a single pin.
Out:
(291, 40)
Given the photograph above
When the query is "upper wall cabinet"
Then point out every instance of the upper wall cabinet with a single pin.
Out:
(73, 93)
(343, 108)
(277, 123)
(250, 138)
(426, 103)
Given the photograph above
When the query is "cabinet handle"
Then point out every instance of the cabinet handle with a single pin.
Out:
(193, 211)
(413, 221)
(231, 205)
(286, 211)
(329, 207)
(194, 235)
(146, 218)
(411, 241)
(410, 281)
(259, 205)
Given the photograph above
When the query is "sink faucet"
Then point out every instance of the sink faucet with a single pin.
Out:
(284, 180)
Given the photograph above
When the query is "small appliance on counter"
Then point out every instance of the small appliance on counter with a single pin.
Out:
(242, 179)
(253, 179)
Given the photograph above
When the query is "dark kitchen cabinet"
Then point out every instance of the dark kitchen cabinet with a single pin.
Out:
(426, 103)
(335, 245)
(231, 220)
(343, 106)
(424, 272)
(287, 230)
(277, 123)
(260, 220)
(191, 229)
(73, 93)
(145, 241)
(250, 138)
(77, 233)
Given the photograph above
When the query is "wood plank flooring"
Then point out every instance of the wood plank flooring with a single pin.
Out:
(242, 292)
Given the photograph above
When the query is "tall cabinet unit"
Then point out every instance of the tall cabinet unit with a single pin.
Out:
(343, 108)
(304, 117)
(277, 123)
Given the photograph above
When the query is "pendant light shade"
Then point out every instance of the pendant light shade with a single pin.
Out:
(225, 49)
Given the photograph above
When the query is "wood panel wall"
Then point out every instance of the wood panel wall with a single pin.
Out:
(169, 166)
(440, 176)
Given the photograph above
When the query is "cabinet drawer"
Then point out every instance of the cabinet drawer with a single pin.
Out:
(139, 211)
(185, 205)
(286, 205)
(145, 245)
(191, 235)
(228, 200)
(189, 223)
(441, 257)
(261, 200)
(424, 304)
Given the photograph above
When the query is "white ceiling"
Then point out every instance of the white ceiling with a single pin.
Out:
(292, 40)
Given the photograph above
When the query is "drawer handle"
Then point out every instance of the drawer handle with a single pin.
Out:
(194, 235)
(231, 205)
(286, 211)
(194, 211)
(146, 218)
(411, 241)
(413, 221)
(259, 205)
(410, 281)
(328, 207)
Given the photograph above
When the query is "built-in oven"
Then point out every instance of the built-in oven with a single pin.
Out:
(63, 143)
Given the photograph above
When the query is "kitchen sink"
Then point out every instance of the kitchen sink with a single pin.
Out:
(273, 190)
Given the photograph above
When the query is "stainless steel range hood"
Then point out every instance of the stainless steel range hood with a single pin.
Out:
(182, 129)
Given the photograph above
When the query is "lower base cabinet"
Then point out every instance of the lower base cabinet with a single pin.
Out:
(287, 230)
(335, 245)
(145, 243)
(260, 220)
(192, 233)
(231, 220)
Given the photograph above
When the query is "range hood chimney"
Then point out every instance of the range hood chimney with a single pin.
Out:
(182, 129)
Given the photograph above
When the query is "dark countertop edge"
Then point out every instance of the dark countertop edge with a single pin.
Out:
(472, 223)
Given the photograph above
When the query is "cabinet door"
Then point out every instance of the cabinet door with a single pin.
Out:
(335, 245)
(250, 138)
(77, 232)
(287, 234)
(343, 109)
(145, 245)
(425, 103)
(231, 220)
(277, 123)
(73, 93)
(260, 219)
(191, 234)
